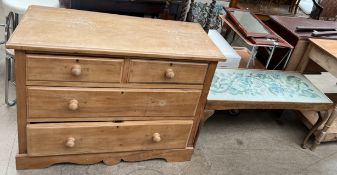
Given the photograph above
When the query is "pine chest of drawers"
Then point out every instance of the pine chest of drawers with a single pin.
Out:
(95, 87)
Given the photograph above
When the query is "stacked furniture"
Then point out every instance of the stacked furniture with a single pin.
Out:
(255, 34)
(286, 27)
(95, 87)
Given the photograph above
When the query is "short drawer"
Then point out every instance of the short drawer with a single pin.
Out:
(77, 69)
(147, 71)
(56, 102)
(97, 137)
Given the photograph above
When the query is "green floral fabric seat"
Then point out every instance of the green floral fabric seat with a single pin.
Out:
(238, 87)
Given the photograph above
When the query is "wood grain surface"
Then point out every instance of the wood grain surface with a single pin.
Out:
(23, 161)
(73, 31)
(95, 87)
(327, 45)
(156, 72)
(59, 68)
(98, 137)
(106, 102)
(21, 103)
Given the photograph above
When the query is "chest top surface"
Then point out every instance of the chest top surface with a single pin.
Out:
(61, 30)
(328, 45)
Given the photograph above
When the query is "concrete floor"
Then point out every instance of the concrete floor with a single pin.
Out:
(251, 143)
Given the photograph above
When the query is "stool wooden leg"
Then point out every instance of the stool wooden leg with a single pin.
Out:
(330, 117)
(207, 115)
(321, 120)
(317, 141)
(313, 130)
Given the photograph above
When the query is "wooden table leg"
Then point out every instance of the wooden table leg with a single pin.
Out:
(321, 120)
(320, 137)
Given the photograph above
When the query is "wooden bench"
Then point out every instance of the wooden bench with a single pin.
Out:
(267, 89)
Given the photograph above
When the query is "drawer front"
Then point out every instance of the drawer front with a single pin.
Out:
(98, 137)
(77, 69)
(58, 102)
(142, 71)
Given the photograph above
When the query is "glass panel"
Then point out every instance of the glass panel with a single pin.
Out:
(261, 86)
(249, 22)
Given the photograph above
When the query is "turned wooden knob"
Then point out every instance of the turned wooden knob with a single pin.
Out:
(70, 142)
(73, 105)
(169, 74)
(76, 70)
(156, 137)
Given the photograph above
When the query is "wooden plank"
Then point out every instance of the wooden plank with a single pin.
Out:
(66, 102)
(304, 61)
(97, 119)
(23, 161)
(324, 59)
(297, 55)
(20, 66)
(326, 45)
(114, 85)
(202, 103)
(97, 137)
(75, 31)
(223, 105)
(126, 71)
(325, 81)
(145, 71)
(73, 68)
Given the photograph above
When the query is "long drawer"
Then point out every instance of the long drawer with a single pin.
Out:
(146, 71)
(73, 68)
(97, 137)
(55, 102)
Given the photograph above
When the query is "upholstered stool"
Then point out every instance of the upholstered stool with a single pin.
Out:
(268, 89)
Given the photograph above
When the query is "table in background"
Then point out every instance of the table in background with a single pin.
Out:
(324, 53)
(286, 28)
(265, 6)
